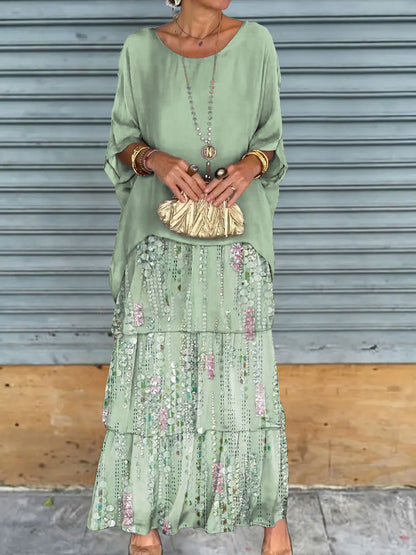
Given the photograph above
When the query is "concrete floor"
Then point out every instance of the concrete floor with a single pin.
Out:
(322, 521)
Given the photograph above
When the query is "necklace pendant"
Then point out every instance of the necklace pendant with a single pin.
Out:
(207, 173)
(208, 152)
(200, 43)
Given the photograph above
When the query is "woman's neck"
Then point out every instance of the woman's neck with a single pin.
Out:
(198, 20)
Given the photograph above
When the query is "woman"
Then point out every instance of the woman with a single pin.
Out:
(195, 430)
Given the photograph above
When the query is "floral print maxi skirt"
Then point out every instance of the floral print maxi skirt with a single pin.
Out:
(195, 429)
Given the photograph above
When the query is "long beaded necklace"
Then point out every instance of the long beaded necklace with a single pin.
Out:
(208, 151)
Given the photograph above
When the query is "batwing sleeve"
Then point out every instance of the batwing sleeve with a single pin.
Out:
(269, 132)
(124, 129)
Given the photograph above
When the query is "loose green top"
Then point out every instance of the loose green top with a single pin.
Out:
(151, 104)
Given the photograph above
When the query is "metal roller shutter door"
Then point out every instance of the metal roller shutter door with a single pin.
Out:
(345, 223)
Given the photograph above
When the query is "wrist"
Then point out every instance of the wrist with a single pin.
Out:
(253, 164)
(150, 162)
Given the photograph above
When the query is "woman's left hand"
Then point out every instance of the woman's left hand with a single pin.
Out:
(240, 175)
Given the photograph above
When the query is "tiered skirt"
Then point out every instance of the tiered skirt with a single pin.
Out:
(195, 429)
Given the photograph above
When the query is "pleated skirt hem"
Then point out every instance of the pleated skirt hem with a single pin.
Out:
(216, 481)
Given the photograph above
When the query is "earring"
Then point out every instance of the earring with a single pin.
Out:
(174, 16)
(174, 4)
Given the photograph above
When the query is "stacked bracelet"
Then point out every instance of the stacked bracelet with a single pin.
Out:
(146, 158)
(263, 159)
(135, 157)
(138, 159)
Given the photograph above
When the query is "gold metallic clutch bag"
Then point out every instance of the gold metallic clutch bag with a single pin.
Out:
(201, 218)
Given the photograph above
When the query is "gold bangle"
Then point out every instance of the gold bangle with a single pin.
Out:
(137, 156)
(263, 159)
(262, 155)
(137, 150)
(134, 154)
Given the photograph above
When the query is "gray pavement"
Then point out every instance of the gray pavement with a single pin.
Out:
(322, 521)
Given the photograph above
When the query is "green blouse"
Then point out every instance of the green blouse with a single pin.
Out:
(151, 104)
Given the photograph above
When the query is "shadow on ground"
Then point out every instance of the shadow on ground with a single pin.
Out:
(322, 521)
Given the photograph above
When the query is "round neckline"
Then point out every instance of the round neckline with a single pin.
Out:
(229, 43)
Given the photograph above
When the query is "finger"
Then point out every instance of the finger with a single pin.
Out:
(222, 186)
(178, 193)
(200, 182)
(197, 183)
(231, 201)
(228, 194)
(188, 184)
(183, 164)
(211, 185)
(229, 176)
(192, 180)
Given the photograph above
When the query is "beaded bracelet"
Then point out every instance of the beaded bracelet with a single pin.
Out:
(139, 162)
(146, 158)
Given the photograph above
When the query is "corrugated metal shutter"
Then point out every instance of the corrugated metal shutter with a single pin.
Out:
(345, 224)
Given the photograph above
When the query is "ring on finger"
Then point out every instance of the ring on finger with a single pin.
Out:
(192, 169)
(233, 189)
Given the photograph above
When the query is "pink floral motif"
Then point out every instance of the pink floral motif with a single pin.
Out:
(138, 314)
(155, 381)
(127, 510)
(104, 416)
(236, 250)
(163, 417)
(250, 319)
(210, 365)
(166, 527)
(218, 476)
(260, 400)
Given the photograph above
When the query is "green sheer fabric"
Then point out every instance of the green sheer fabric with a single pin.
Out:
(195, 429)
(195, 426)
(151, 104)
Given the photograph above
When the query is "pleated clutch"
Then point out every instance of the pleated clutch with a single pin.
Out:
(201, 218)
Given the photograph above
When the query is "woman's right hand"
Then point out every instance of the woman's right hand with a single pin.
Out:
(171, 170)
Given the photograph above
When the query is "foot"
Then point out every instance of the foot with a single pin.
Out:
(277, 539)
(152, 538)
